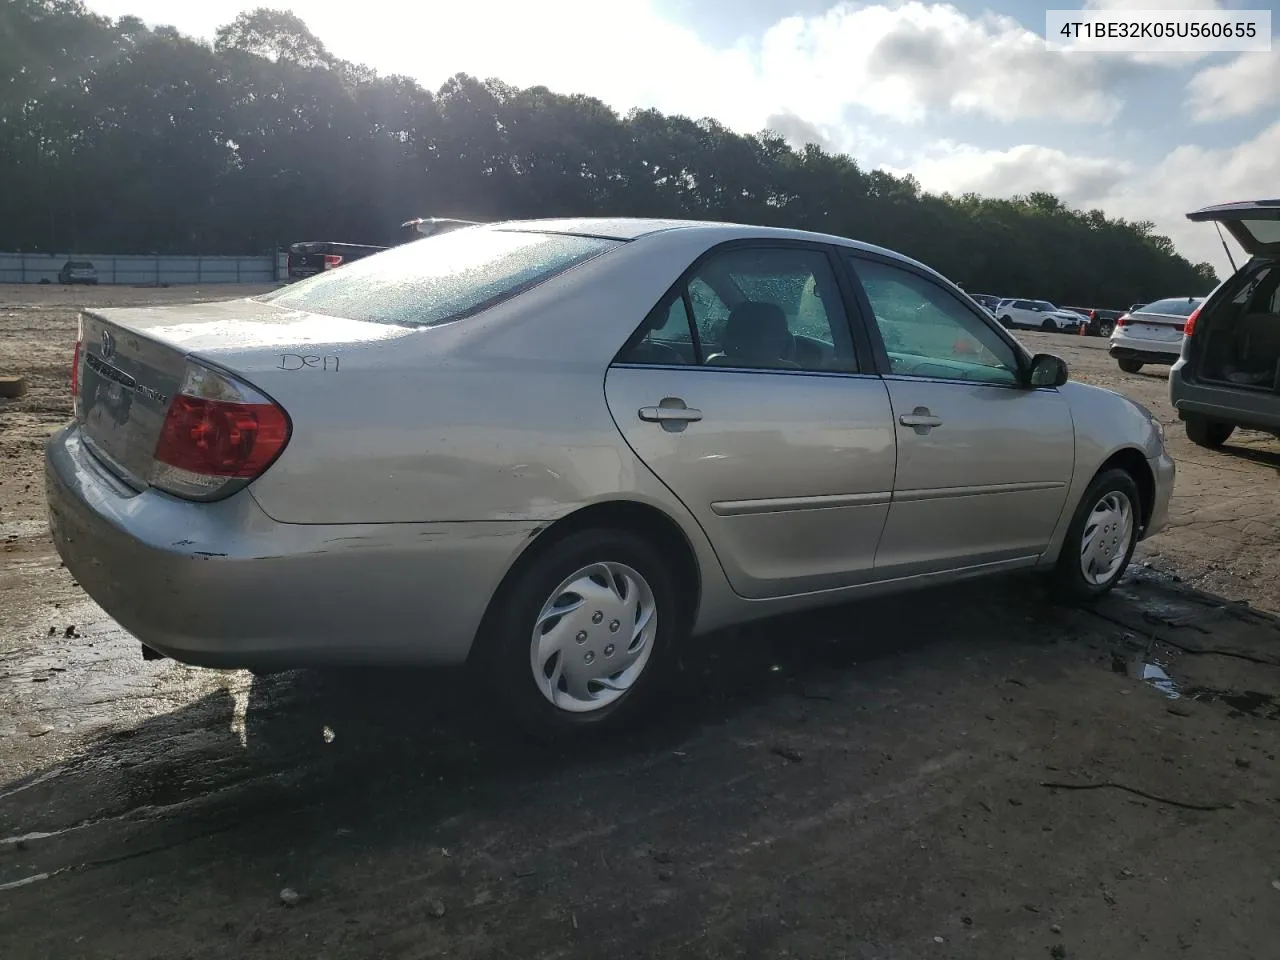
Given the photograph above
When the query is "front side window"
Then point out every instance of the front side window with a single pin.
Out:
(928, 332)
(753, 307)
(439, 278)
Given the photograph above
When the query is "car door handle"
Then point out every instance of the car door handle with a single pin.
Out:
(919, 420)
(670, 414)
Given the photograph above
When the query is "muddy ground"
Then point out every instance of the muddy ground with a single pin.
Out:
(978, 773)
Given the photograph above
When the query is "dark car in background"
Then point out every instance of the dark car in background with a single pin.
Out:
(986, 300)
(1101, 322)
(311, 257)
(1228, 372)
(78, 271)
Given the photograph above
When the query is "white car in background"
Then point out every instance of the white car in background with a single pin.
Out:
(1038, 315)
(1153, 334)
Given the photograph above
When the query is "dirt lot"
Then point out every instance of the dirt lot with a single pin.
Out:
(979, 774)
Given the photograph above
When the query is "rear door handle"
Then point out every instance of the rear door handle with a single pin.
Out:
(670, 414)
(919, 420)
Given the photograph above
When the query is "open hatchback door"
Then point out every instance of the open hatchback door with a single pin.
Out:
(1255, 224)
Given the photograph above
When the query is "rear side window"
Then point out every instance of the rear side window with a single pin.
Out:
(441, 278)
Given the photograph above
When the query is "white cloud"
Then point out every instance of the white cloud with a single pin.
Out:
(1187, 178)
(962, 168)
(901, 60)
(1153, 5)
(1246, 84)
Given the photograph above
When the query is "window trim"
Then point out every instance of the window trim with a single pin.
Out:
(864, 359)
(880, 352)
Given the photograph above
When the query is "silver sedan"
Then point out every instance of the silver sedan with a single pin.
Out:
(557, 449)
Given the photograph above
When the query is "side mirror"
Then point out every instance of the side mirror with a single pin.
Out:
(1047, 371)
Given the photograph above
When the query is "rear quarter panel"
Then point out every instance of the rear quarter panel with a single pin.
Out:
(499, 416)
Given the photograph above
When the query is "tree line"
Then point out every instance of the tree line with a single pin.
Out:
(121, 138)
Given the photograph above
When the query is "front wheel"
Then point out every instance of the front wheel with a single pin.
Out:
(1130, 366)
(1204, 432)
(1101, 537)
(1048, 326)
(581, 634)
(1007, 320)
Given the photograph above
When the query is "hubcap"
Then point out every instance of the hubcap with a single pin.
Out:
(1106, 538)
(593, 637)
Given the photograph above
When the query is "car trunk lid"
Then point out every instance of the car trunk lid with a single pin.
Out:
(1156, 326)
(134, 360)
(1255, 224)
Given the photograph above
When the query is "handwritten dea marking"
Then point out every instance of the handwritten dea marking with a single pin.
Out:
(298, 361)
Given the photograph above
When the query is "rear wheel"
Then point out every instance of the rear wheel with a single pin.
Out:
(1101, 537)
(580, 636)
(1130, 366)
(1106, 328)
(1208, 433)
(1048, 326)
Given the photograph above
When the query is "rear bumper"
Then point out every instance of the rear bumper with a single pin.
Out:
(222, 585)
(1251, 409)
(1144, 351)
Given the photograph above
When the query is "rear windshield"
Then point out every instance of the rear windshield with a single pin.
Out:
(1174, 306)
(80, 265)
(441, 278)
(1264, 231)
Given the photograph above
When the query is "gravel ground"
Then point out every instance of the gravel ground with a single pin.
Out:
(981, 774)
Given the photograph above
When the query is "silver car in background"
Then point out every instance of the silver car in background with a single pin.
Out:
(554, 450)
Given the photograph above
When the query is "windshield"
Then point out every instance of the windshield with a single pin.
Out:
(1174, 306)
(441, 278)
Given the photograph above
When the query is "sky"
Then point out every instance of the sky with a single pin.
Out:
(963, 95)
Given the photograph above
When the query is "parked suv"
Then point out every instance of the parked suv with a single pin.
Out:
(1038, 315)
(78, 271)
(1228, 372)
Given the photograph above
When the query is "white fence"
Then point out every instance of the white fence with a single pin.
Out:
(132, 269)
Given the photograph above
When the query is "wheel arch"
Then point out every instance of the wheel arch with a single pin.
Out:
(643, 519)
(1134, 462)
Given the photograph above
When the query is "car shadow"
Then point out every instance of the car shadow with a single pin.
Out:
(1266, 458)
(361, 744)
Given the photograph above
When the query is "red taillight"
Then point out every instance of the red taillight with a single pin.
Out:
(331, 260)
(1189, 327)
(1124, 320)
(1093, 314)
(75, 371)
(216, 438)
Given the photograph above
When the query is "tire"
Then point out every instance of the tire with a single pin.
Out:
(1007, 321)
(1111, 487)
(1130, 366)
(1204, 432)
(506, 659)
(1106, 328)
(1048, 326)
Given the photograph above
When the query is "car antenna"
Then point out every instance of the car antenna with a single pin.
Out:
(1230, 259)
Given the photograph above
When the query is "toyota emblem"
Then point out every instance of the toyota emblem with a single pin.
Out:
(108, 344)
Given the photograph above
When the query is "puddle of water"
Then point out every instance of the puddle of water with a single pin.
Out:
(1152, 672)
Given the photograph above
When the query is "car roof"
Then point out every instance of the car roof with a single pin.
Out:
(634, 228)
